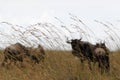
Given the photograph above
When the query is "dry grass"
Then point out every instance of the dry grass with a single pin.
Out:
(60, 65)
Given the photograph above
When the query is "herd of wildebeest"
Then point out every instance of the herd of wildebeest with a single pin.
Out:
(84, 50)
(18, 52)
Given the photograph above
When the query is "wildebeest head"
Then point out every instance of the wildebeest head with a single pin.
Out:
(74, 43)
(75, 46)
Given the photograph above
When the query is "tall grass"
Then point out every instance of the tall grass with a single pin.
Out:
(60, 65)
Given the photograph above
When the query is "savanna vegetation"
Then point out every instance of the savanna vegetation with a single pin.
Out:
(60, 65)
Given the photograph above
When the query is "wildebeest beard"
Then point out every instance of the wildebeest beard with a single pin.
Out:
(76, 51)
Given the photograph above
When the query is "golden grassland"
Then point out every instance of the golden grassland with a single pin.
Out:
(60, 65)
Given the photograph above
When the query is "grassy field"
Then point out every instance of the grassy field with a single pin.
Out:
(60, 65)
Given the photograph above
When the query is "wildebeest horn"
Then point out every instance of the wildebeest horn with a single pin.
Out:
(104, 42)
(68, 41)
(81, 38)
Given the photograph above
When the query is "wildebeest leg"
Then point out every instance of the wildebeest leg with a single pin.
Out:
(41, 58)
(94, 64)
(21, 62)
(18, 61)
(89, 64)
(107, 64)
(101, 64)
(5, 61)
(82, 63)
(100, 67)
(35, 59)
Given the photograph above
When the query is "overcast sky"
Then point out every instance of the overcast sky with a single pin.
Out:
(26, 12)
(32, 11)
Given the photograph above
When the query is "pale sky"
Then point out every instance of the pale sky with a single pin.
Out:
(32, 11)
(26, 12)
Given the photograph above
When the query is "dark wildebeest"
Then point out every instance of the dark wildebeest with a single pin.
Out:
(87, 51)
(37, 54)
(15, 52)
(101, 55)
(82, 49)
(18, 52)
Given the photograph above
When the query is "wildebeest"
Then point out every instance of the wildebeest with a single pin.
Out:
(101, 55)
(18, 52)
(87, 51)
(15, 52)
(37, 54)
(83, 50)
